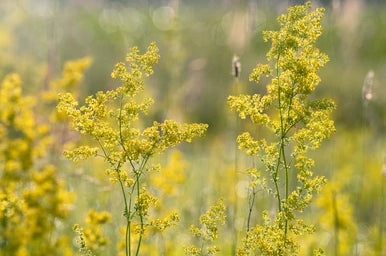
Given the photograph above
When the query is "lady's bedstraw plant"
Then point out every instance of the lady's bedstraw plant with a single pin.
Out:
(111, 119)
(299, 124)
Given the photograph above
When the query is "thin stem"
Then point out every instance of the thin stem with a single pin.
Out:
(281, 121)
(126, 214)
(138, 175)
(286, 183)
(202, 247)
(104, 150)
(283, 132)
(131, 215)
(127, 207)
(277, 185)
(251, 203)
(140, 217)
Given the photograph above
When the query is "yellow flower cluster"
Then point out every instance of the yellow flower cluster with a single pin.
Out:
(72, 76)
(169, 177)
(267, 238)
(209, 230)
(91, 239)
(113, 128)
(32, 199)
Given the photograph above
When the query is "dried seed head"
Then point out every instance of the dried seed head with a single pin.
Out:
(236, 66)
(383, 170)
(367, 89)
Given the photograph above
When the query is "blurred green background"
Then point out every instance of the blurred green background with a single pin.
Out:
(197, 40)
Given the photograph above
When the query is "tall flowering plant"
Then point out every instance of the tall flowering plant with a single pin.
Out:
(298, 123)
(111, 119)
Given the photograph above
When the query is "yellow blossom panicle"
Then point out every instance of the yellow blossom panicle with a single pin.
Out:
(83, 249)
(298, 123)
(91, 239)
(112, 120)
(208, 232)
(72, 76)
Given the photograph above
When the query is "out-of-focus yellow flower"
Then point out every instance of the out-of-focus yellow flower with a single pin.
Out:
(32, 199)
(170, 176)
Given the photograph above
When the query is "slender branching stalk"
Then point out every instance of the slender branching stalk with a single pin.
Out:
(251, 203)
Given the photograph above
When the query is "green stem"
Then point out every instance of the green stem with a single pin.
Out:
(202, 247)
(252, 198)
(127, 216)
(277, 185)
(281, 121)
(283, 132)
(127, 210)
(141, 219)
(128, 226)
(138, 175)
(126, 207)
(286, 183)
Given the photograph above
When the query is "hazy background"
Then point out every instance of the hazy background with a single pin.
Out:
(197, 40)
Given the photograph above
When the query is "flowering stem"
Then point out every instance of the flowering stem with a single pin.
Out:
(286, 182)
(275, 179)
(140, 213)
(126, 215)
(140, 216)
(252, 198)
(128, 227)
(283, 132)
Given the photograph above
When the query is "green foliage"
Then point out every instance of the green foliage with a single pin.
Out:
(298, 123)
